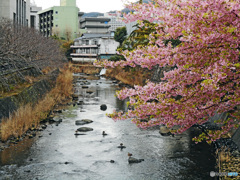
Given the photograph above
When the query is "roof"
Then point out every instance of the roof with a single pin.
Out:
(94, 35)
(98, 19)
(96, 26)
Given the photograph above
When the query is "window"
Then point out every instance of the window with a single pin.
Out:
(32, 21)
(56, 12)
(56, 25)
(87, 42)
(14, 17)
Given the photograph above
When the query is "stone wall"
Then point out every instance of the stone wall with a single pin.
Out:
(236, 138)
(29, 95)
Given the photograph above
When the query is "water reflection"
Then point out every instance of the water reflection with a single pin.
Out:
(16, 154)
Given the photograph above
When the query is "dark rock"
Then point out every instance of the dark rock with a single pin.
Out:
(225, 142)
(44, 126)
(112, 161)
(89, 92)
(83, 122)
(134, 160)
(164, 131)
(80, 103)
(57, 111)
(84, 87)
(236, 153)
(55, 121)
(85, 129)
(103, 107)
(75, 97)
(31, 136)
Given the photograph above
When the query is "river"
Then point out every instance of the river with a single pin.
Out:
(57, 154)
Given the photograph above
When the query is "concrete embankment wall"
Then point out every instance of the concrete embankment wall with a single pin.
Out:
(29, 95)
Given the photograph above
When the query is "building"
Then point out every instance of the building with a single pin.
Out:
(131, 26)
(91, 47)
(60, 20)
(115, 21)
(16, 10)
(95, 24)
(34, 18)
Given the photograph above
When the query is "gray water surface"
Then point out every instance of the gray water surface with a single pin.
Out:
(60, 155)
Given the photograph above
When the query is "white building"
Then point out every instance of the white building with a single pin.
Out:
(115, 21)
(16, 10)
(34, 17)
(95, 24)
(91, 47)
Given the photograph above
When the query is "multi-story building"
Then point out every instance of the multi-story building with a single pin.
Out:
(131, 27)
(95, 24)
(34, 18)
(91, 47)
(16, 10)
(60, 20)
(115, 21)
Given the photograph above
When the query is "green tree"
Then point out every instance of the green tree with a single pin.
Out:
(120, 34)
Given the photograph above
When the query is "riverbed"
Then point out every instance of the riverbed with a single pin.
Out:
(57, 154)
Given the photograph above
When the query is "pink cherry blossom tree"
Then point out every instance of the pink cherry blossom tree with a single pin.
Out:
(205, 78)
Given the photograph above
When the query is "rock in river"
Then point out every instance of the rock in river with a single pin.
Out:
(164, 131)
(83, 121)
(103, 107)
(84, 87)
(85, 129)
(134, 160)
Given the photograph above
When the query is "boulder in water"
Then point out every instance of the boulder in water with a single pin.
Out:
(85, 129)
(134, 160)
(83, 121)
(164, 131)
(103, 107)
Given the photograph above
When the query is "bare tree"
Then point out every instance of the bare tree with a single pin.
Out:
(56, 31)
(22, 48)
(68, 33)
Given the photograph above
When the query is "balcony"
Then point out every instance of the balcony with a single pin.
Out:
(84, 59)
(84, 46)
(83, 55)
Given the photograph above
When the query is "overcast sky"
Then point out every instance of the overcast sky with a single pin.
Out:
(87, 5)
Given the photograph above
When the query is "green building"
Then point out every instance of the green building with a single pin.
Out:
(61, 21)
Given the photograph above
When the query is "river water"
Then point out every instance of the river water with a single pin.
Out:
(57, 154)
